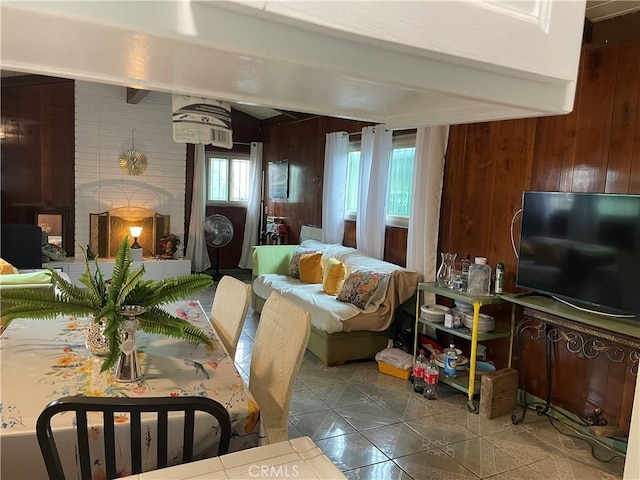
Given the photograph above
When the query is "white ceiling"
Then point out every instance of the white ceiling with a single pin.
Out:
(596, 10)
(599, 10)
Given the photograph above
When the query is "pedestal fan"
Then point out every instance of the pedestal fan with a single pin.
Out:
(218, 232)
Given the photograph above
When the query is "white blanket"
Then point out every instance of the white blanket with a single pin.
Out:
(327, 313)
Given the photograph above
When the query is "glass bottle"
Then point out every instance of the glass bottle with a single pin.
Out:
(445, 271)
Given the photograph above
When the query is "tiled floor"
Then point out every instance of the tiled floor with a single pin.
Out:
(373, 426)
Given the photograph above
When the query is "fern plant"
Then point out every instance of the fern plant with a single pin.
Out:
(103, 299)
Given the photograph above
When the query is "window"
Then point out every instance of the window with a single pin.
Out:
(227, 178)
(399, 180)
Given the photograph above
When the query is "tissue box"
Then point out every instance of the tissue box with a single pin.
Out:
(393, 371)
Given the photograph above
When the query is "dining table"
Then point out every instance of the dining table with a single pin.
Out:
(43, 360)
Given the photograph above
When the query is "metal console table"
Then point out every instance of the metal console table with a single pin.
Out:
(584, 334)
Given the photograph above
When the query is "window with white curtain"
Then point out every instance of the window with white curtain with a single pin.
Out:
(400, 179)
(227, 178)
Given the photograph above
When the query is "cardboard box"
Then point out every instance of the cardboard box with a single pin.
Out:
(394, 371)
(498, 393)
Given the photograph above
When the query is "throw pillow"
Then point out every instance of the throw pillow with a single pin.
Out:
(294, 265)
(333, 275)
(310, 268)
(7, 268)
(359, 287)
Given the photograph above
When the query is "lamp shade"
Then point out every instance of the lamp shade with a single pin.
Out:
(135, 231)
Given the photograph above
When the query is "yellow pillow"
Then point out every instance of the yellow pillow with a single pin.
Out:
(7, 268)
(333, 276)
(310, 268)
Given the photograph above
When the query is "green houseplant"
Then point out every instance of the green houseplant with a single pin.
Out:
(103, 299)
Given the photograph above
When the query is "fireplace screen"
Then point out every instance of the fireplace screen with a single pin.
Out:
(107, 229)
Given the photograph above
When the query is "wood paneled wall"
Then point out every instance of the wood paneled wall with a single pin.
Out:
(302, 144)
(596, 148)
(38, 151)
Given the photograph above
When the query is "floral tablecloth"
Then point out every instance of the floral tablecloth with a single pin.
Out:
(43, 360)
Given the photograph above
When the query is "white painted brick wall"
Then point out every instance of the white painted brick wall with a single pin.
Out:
(104, 123)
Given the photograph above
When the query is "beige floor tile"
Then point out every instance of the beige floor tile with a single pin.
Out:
(397, 440)
(365, 416)
(578, 447)
(559, 467)
(319, 425)
(522, 445)
(383, 470)
(520, 473)
(413, 406)
(481, 457)
(305, 401)
(316, 378)
(433, 465)
(441, 430)
(481, 425)
(341, 395)
(351, 451)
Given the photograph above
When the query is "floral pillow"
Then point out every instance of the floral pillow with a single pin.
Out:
(294, 265)
(360, 286)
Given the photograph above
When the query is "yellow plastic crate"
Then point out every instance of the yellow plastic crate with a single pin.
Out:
(393, 371)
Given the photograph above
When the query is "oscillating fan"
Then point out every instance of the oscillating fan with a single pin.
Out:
(218, 232)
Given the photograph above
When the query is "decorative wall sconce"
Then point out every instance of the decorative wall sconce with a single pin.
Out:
(133, 162)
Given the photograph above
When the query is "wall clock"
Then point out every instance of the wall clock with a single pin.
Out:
(133, 162)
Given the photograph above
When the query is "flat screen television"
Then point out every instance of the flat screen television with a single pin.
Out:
(583, 248)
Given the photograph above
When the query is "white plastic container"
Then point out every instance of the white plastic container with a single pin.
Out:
(479, 277)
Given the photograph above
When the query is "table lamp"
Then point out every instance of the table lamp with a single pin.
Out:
(136, 249)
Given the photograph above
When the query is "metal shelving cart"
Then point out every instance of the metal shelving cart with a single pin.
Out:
(468, 385)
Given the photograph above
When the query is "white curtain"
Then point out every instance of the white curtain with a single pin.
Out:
(334, 187)
(375, 158)
(251, 223)
(422, 241)
(196, 246)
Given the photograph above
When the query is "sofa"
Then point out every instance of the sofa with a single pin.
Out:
(344, 327)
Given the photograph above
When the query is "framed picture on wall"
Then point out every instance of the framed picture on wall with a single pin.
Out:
(279, 179)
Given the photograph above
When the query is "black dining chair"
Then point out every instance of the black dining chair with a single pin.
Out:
(108, 406)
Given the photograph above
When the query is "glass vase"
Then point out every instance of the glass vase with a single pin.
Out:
(444, 276)
(128, 368)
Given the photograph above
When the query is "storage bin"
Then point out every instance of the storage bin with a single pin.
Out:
(393, 371)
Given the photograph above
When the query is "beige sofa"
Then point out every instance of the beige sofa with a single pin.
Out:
(340, 332)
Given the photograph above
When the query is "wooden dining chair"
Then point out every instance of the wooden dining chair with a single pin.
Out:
(230, 305)
(109, 406)
(281, 339)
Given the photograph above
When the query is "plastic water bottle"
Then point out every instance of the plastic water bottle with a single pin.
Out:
(431, 379)
(419, 369)
(466, 265)
(479, 277)
(450, 361)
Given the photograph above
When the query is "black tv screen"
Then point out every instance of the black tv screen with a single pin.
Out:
(582, 248)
